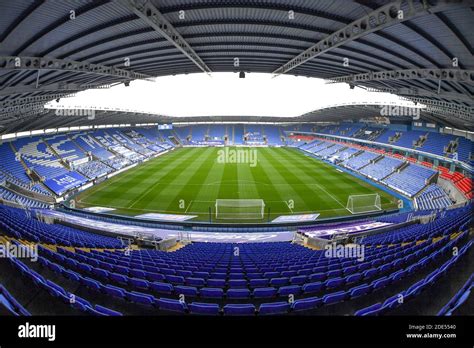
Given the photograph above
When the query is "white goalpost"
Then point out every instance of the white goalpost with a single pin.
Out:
(249, 209)
(358, 204)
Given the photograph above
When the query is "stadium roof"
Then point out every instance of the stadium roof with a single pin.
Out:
(421, 50)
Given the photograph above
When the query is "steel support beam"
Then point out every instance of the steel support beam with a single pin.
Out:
(42, 63)
(418, 92)
(54, 87)
(455, 75)
(153, 17)
(381, 18)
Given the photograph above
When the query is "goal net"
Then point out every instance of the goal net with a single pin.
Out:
(249, 209)
(358, 204)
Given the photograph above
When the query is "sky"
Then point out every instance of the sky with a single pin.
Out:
(222, 94)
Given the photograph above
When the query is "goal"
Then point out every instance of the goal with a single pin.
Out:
(249, 209)
(358, 204)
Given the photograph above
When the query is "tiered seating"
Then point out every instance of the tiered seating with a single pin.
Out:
(238, 134)
(93, 169)
(39, 158)
(15, 223)
(410, 180)
(448, 222)
(407, 138)
(10, 196)
(318, 146)
(459, 298)
(117, 162)
(8, 302)
(182, 132)
(65, 148)
(415, 289)
(329, 151)
(10, 165)
(381, 168)
(369, 133)
(433, 197)
(436, 143)
(272, 134)
(464, 150)
(216, 132)
(104, 138)
(256, 281)
(37, 188)
(345, 154)
(89, 144)
(465, 185)
(360, 160)
(385, 137)
(216, 280)
(199, 132)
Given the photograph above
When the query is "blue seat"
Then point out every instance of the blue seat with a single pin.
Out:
(334, 297)
(91, 283)
(314, 287)
(393, 302)
(279, 281)
(216, 283)
(236, 276)
(155, 277)
(172, 305)
(317, 277)
(380, 283)
(360, 290)
(354, 278)
(264, 292)
(270, 275)
(119, 278)
(306, 304)
(102, 273)
(162, 288)
(239, 309)
(184, 273)
(371, 310)
(370, 273)
(298, 280)
(334, 283)
(415, 289)
(199, 282)
(259, 283)
(238, 293)
(274, 308)
(204, 308)
(289, 290)
(141, 298)
(212, 293)
(203, 275)
(138, 273)
(334, 273)
(237, 283)
(106, 311)
(174, 279)
(115, 291)
(186, 290)
(139, 283)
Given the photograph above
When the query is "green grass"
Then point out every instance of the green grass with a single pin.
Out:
(189, 180)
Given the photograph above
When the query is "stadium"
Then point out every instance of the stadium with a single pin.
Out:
(354, 208)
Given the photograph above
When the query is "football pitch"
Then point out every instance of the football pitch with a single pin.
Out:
(189, 180)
